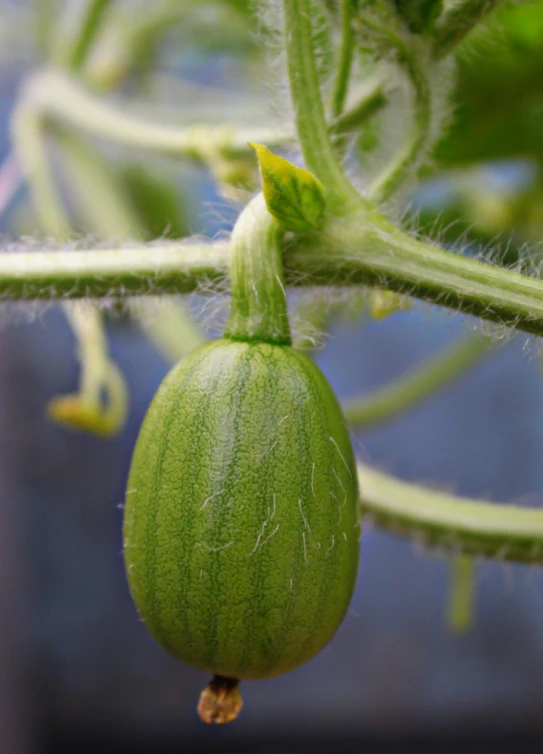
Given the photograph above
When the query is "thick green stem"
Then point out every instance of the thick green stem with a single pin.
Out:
(456, 22)
(380, 255)
(171, 268)
(319, 155)
(258, 299)
(471, 527)
(349, 253)
(93, 17)
(416, 386)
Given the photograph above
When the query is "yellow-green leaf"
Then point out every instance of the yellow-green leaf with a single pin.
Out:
(293, 195)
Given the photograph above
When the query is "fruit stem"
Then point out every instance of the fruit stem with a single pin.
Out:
(259, 303)
(221, 701)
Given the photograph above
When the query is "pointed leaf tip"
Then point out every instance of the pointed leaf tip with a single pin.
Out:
(293, 195)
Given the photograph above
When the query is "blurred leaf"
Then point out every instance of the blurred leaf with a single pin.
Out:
(499, 94)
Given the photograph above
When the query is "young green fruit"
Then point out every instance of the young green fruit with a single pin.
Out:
(242, 517)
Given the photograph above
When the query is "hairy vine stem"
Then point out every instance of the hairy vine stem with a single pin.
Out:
(410, 153)
(438, 519)
(348, 252)
(313, 133)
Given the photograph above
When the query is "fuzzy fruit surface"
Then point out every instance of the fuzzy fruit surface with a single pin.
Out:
(242, 522)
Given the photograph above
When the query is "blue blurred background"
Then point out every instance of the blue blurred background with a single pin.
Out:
(77, 668)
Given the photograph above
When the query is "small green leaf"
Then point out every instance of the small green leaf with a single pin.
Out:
(293, 195)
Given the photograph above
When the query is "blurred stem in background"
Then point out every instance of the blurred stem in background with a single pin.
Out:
(46, 17)
(461, 595)
(101, 403)
(411, 60)
(418, 384)
(55, 96)
(94, 15)
(346, 56)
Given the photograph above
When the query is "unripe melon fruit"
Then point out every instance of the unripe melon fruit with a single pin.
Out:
(242, 520)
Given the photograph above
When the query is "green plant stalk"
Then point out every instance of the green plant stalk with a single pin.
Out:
(28, 142)
(168, 325)
(98, 373)
(440, 520)
(451, 28)
(93, 17)
(380, 255)
(45, 20)
(345, 59)
(169, 268)
(57, 97)
(100, 200)
(369, 103)
(258, 299)
(410, 153)
(349, 253)
(165, 322)
(87, 324)
(319, 155)
(417, 385)
(64, 100)
(460, 607)
(456, 22)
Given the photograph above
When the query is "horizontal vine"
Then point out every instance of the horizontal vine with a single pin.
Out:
(353, 251)
(438, 519)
